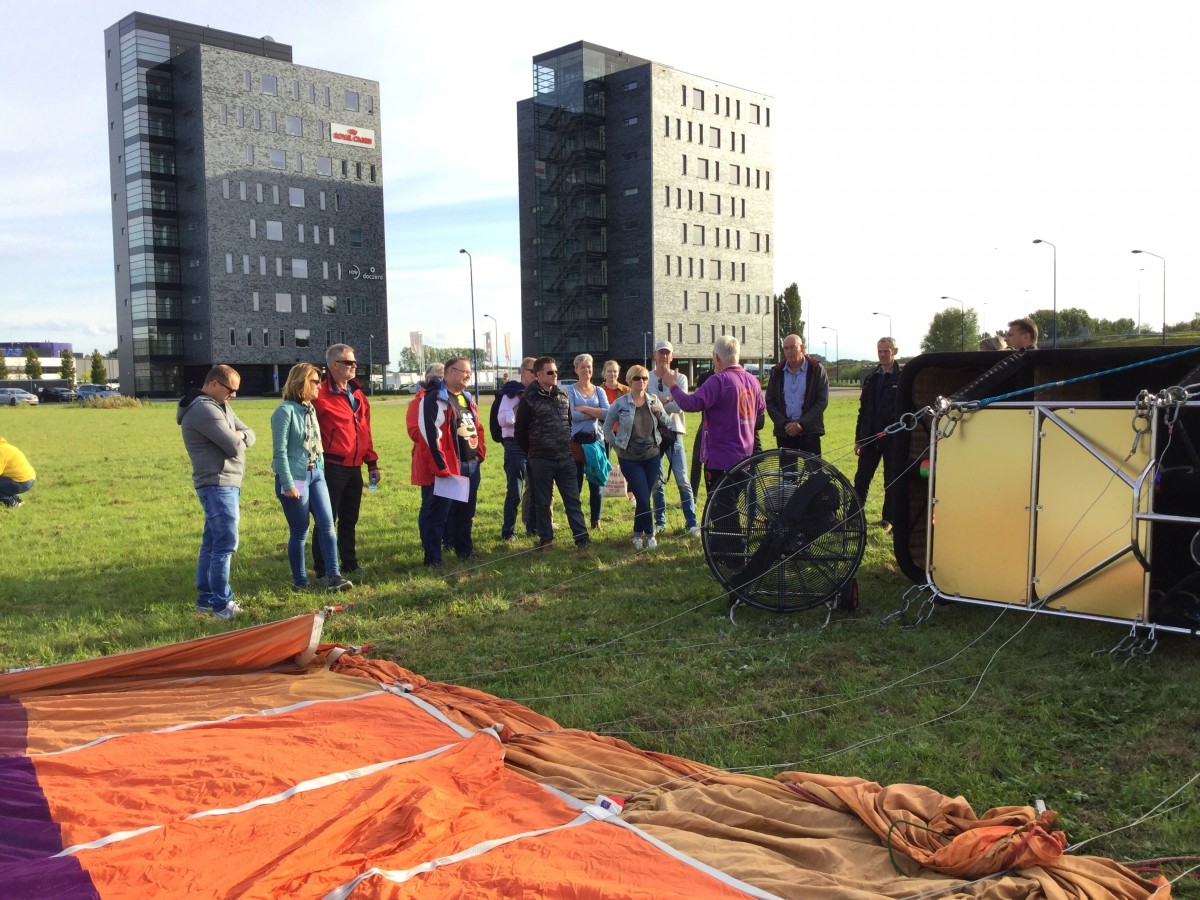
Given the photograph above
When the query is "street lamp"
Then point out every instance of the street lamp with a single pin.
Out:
(645, 344)
(762, 355)
(962, 323)
(887, 316)
(836, 352)
(1054, 343)
(474, 351)
(1164, 262)
(1137, 326)
(495, 353)
(371, 364)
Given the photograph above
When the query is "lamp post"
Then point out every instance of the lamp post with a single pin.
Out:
(645, 354)
(887, 316)
(1164, 262)
(371, 364)
(1054, 342)
(474, 350)
(762, 353)
(495, 352)
(1137, 326)
(962, 323)
(836, 352)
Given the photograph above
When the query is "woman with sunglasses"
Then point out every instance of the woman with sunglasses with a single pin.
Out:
(299, 467)
(636, 417)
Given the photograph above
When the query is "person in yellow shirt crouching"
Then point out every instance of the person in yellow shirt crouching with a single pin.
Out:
(16, 474)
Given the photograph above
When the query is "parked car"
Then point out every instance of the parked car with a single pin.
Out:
(86, 391)
(58, 395)
(13, 396)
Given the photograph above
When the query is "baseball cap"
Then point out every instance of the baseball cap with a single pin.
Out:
(663, 345)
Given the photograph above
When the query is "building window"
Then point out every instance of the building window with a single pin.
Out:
(755, 113)
(296, 196)
(258, 120)
(632, 120)
(245, 263)
(246, 79)
(358, 171)
(355, 237)
(294, 125)
(300, 233)
(274, 231)
(328, 305)
(299, 268)
(325, 165)
(223, 113)
(249, 156)
(631, 85)
(283, 303)
(232, 338)
(372, 174)
(278, 159)
(262, 265)
(275, 194)
(225, 188)
(302, 337)
(697, 99)
(304, 303)
(270, 85)
(254, 303)
(249, 338)
(266, 337)
(279, 266)
(351, 101)
(242, 190)
(253, 228)
(229, 263)
(629, 192)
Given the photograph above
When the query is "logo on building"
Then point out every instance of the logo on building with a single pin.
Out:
(367, 274)
(345, 134)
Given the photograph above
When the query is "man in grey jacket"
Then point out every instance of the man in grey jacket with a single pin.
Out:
(216, 441)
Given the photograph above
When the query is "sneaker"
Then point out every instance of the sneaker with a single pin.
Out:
(323, 580)
(694, 531)
(651, 543)
(337, 583)
(586, 542)
(637, 542)
(595, 524)
(301, 588)
(508, 538)
(230, 610)
(203, 608)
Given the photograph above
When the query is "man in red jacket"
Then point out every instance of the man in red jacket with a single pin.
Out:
(345, 418)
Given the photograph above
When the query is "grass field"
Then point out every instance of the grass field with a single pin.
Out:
(1002, 708)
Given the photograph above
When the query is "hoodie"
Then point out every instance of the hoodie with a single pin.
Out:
(210, 436)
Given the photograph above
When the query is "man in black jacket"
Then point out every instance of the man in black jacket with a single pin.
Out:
(543, 431)
(876, 411)
(797, 395)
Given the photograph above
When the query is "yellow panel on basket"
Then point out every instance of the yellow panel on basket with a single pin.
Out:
(1085, 514)
(981, 520)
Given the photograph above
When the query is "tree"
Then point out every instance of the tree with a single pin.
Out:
(788, 309)
(951, 329)
(67, 373)
(99, 373)
(411, 362)
(33, 365)
(112, 354)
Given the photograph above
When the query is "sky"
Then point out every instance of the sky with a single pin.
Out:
(919, 149)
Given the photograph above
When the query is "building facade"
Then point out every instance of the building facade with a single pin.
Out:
(247, 197)
(647, 209)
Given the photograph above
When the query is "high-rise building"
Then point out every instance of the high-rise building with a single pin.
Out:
(247, 207)
(646, 209)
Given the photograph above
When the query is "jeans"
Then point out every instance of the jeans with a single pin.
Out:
(643, 476)
(431, 523)
(869, 457)
(595, 497)
(313, 499)
(9, 490)
(677, 459)
(460, 517)
(221, 514)
(515, 466)
(345, 484)
(544, 474)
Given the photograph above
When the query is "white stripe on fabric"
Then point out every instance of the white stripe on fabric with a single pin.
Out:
(303, 787)
(314, 639)
(399, 876)
(432, 710)
(276, 711)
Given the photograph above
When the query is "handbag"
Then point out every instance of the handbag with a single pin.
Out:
(577, 442)
(615, 486)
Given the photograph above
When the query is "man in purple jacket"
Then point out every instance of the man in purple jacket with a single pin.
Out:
(733, 406)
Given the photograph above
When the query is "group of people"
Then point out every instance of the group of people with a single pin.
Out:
(320, 437)
(552, 438)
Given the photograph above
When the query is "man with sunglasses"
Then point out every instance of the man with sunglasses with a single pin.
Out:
(216, 441)
(543, 431)
(345, 419)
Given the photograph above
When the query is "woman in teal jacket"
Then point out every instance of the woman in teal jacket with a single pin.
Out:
(300, 475)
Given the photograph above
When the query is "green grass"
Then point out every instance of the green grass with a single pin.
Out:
(999, 708)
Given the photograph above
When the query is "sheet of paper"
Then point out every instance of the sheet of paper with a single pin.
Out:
(456, 487)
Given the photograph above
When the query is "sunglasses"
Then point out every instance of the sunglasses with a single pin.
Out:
(640, 378)
(348, 363)
(553, 372)
(232, 392)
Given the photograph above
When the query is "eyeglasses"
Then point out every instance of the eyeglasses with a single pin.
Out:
(640, 378)
(232, 392)
(348, 363)
(314, 381)
(527, 369)
(553, 372)
(466, 372)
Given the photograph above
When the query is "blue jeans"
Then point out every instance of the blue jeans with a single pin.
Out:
(679, 468)
(515, 463)
(595, 497)
(642, 476)
(461, 516)
(313, 499)
(221, 514)
(9, 490)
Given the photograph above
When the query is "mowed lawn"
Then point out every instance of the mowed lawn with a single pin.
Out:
(999, 707)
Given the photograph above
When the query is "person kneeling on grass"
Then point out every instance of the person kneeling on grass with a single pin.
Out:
(299, 467)
(636, 418)
(16, 474)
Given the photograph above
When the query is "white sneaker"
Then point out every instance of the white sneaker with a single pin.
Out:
(230, 610)
(694, 531)
(651, 543)
(637, 542)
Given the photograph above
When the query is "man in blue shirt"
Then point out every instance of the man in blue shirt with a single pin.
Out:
(797, 395)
